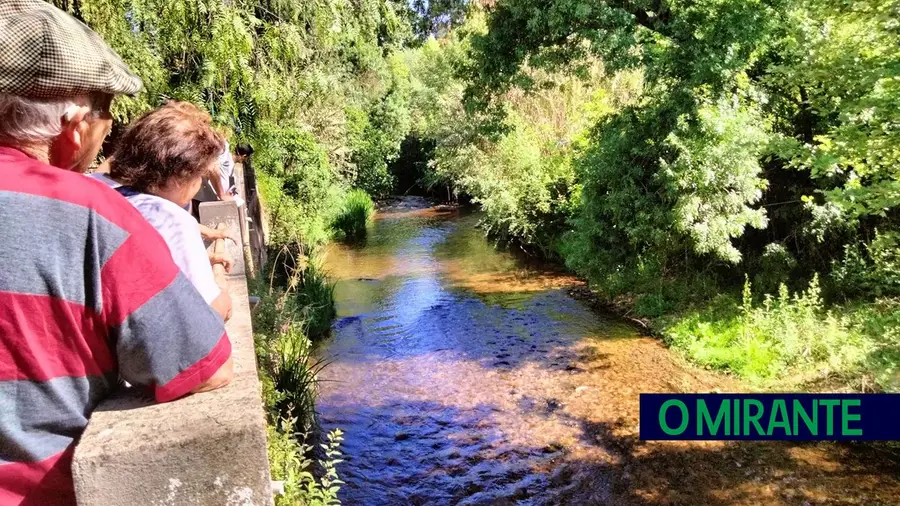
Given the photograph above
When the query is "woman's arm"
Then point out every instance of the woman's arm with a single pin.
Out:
(211, 234)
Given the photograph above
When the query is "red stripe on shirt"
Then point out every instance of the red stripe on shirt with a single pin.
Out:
(197, 374)
(26, 175)
(53, 338)
(44, 483)
(22, 174)
(136, 274)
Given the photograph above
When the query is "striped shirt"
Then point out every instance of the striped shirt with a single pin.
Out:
(88, 294)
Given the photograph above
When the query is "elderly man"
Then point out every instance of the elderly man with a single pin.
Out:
(88, 289)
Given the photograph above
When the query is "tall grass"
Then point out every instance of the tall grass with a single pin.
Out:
(315, 298)
(309, 296)
(284, 354)
(289, 374)
(295, 377)
(356, 212)
(790, 339)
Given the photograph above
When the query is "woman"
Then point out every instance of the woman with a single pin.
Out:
(158, 166)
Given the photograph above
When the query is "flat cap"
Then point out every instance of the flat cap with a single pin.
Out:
(46, 53)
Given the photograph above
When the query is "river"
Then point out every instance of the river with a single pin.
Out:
(462, 375)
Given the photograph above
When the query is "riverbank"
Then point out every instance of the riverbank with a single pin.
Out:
(289, 314)
(788, 342)
(462, 374)
(785, 341)
(295, 309)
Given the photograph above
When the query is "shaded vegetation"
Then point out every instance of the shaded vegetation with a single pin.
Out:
(285, 321)
(667, 152)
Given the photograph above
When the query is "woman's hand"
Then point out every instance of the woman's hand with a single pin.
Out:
(211, 234)
(222, 259)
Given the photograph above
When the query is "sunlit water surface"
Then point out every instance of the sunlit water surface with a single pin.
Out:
(462, 375)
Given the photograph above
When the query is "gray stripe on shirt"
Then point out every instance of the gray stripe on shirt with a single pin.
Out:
(40, 419)
(166, 316)
(46, 240)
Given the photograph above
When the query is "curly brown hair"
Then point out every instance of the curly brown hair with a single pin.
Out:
(174, 143)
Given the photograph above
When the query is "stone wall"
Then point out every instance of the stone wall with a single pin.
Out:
(204, 449)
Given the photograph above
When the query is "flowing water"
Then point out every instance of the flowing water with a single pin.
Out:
(462, 375)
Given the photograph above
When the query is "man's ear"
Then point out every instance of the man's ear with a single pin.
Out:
(75, 127)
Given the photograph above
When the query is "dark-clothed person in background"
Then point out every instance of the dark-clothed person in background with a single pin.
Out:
(244, 156)
(218, 185)
(88, 291)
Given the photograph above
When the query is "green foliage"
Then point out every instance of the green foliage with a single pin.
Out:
(317, 88)
(776, 267)
(283, 321)
(661, 190)
(521, 174)
(375, 136)
(755, 136)
(289, 462)
(315, 295)
(355, 215)
(294, 379)
(880, 322)
(284, 354)
(836, 78)
(298, 186)
(874, 270)
(303, 293)
(798, 104)
(785, 334)
(437, 17)
(714, 176)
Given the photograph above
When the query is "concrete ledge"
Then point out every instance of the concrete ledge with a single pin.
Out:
(205, 449)
(213, 214)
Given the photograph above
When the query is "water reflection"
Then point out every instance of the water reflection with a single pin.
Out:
(463, 375)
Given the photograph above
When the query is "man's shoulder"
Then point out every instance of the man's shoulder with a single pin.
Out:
(31, 177)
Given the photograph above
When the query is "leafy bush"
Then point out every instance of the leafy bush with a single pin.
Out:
(874, 271)
(651, 305)
(524, 184)
(289, 377)
(775, 267)
(354, 216)
(520, 172)
(784, 335)
(375, 136)
(299, 187)
(289, 462)
(880, 321)
(773, 145)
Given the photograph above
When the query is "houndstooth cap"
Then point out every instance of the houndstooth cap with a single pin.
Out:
(45, 53)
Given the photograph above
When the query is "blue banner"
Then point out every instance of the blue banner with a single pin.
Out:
(796, 417)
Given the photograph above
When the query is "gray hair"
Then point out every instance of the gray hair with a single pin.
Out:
(35, 120)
